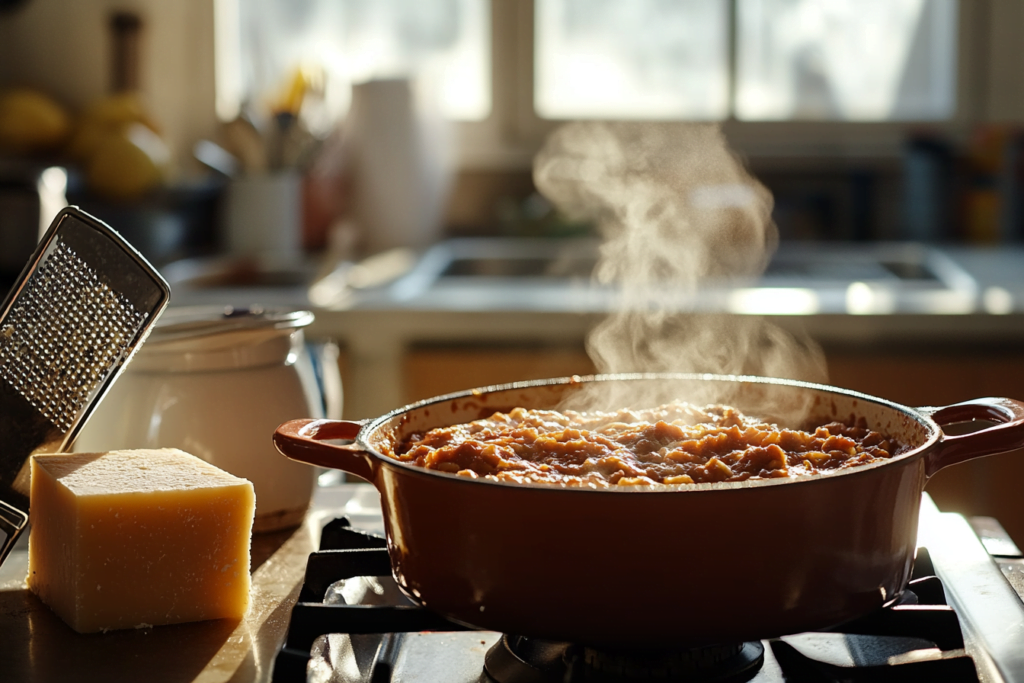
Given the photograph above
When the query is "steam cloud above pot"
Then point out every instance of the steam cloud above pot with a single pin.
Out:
(677, 212)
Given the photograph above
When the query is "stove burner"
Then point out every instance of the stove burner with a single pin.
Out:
(381, 636)
(733, 662)
(516, 659)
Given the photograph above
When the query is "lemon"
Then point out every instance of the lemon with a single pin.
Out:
(107, 115)
(119, 108)
(31, 121)
(126, 163)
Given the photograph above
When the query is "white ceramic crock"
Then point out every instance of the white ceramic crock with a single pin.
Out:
(216, 383)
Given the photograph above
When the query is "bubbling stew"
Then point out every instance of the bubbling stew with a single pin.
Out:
(674, 444)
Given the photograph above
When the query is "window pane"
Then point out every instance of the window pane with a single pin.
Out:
(631, 59)
(850, 60)
(445, 44)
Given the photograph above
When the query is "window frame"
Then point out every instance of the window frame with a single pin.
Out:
(988, 63)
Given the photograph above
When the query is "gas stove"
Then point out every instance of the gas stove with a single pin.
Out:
(961, 619)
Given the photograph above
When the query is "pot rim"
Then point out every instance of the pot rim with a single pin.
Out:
(376, 424)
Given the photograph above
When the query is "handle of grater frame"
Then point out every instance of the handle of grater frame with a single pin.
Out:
(12, 522)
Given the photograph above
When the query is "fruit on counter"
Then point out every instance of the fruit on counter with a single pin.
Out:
(119, 146)
(107, 115)
(127, 163)
(31, 121)
(138, 538)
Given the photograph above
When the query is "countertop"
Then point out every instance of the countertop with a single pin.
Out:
(975, 297)
(37, 647)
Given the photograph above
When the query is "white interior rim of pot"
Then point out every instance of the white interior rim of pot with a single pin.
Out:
(381, 423)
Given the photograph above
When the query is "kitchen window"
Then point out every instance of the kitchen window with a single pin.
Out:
(822, 76)
(269, 48)
(636, 59)
(845, 60)
(752, 60)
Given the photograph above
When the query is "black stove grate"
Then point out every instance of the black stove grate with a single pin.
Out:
(345, 553)
(921, 622)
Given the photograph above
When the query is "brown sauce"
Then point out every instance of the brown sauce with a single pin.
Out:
(673, 444)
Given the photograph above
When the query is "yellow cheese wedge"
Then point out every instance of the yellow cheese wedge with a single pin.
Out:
(136, 538)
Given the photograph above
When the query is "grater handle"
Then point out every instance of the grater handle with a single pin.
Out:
(12, 522)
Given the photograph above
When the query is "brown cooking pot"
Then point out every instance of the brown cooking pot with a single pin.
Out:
(666, 565)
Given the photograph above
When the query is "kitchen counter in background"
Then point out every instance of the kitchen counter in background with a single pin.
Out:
(536, 296)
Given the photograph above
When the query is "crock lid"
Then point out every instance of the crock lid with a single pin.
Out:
(190, 322)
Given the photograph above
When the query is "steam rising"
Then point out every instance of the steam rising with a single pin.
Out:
(678, 213)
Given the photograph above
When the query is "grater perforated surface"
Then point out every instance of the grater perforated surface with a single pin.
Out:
(65, 333)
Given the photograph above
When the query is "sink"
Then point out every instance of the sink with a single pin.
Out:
(562, 266)
(840, 265)
(825, 277)
(508, 258)
(519, 259)
(793, 265)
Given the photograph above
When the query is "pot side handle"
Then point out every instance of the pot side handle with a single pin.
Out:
(1006, 435)
(303, 440)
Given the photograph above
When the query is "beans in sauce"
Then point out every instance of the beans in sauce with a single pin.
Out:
(676, 443)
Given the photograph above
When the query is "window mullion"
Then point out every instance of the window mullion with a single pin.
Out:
(732, 59)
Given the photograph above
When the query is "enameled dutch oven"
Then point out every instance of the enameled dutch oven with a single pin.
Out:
(659, 565)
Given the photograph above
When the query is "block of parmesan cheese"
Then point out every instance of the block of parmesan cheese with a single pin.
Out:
(137, 538)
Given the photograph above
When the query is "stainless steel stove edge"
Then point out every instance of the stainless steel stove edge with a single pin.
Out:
(991, 613)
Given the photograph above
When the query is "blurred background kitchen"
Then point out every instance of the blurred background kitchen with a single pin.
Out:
(373, 160)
